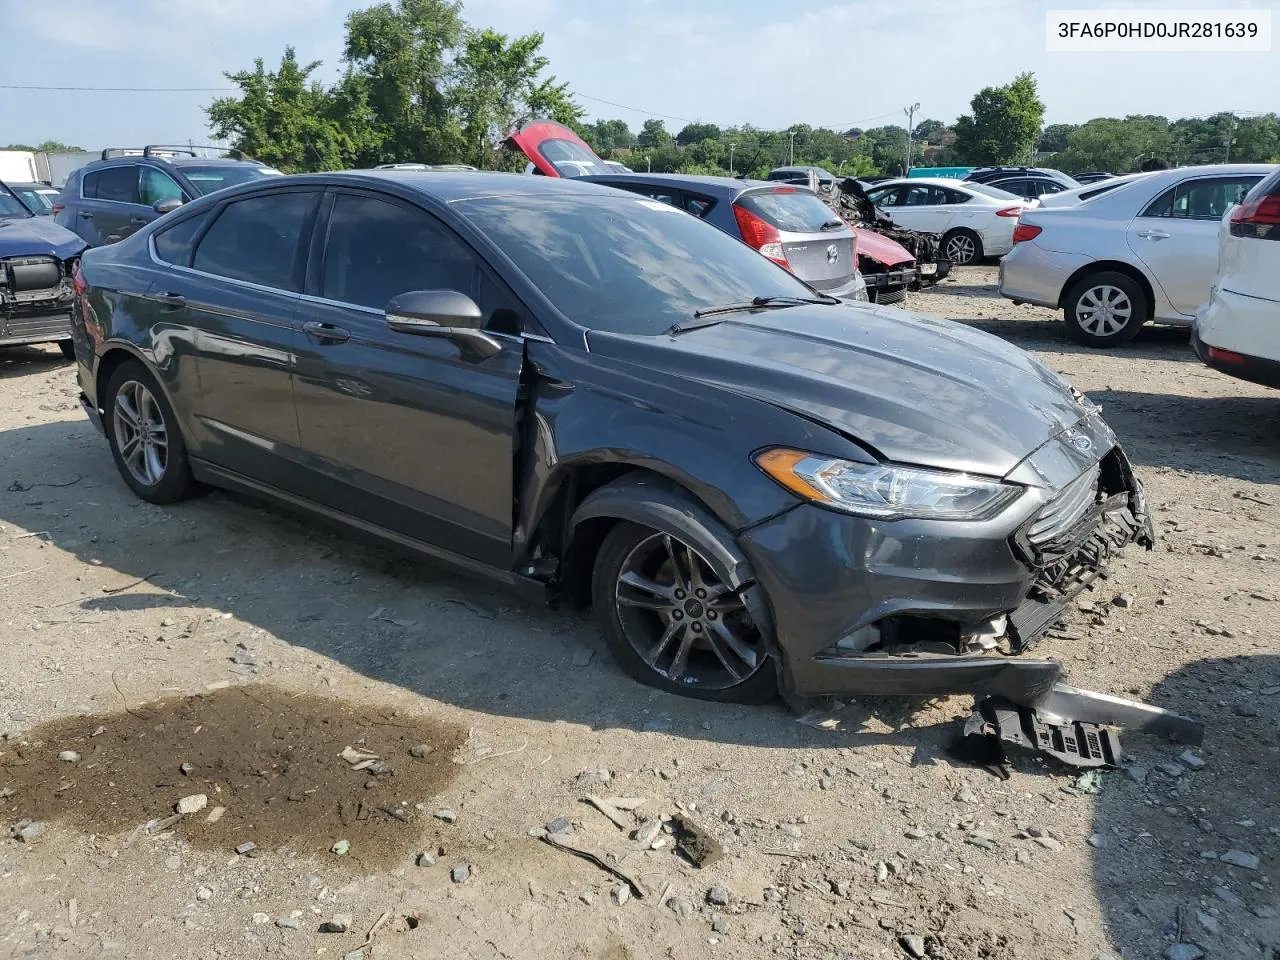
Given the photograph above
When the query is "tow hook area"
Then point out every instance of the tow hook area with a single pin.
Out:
(1078, 727)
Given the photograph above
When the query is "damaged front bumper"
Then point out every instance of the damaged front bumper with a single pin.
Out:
(35, 300)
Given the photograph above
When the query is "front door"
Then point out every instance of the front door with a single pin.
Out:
(403, 431)
(1176, 236)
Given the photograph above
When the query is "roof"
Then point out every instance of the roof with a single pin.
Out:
(450, 185)
(681, 180)
(177, 160)
(951, 182)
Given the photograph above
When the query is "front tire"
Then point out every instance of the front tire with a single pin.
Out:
(142, 430)
(1105, 309)
(962, 247)
(671, 622)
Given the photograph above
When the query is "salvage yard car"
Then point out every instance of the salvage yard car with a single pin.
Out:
(1143, 252)
(583, 392)
(37, 259)
(973, 219)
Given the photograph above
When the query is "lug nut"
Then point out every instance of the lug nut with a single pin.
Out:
(678, 614)
(697, 628)
(711, 614)
(702, 594)
(679, 594)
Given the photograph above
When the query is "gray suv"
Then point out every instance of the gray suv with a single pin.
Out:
(109, 199)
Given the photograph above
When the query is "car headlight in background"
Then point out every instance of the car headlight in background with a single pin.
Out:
(884, 491)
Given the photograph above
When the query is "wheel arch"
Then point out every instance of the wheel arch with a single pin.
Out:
(1110, 266)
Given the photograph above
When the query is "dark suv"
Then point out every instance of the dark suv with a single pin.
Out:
(109, 199)
(1029, 183)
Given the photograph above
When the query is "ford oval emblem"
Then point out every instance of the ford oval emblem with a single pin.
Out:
(833, 253)
(1078, 440)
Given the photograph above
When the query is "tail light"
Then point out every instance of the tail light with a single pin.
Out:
(1025, 231)
(784, 189)
(1225, 356)
(57, 208)
(1009, 212)
(78, 282)
(761, 235)
(1257, 218)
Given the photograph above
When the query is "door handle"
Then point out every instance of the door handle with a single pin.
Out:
(326, 332)
(172, 301)
(86, 215)
(1154, 235)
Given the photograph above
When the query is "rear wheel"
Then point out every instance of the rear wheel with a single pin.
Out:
(673, 623)
(143, 433)
(1105, 309)
(962, 247)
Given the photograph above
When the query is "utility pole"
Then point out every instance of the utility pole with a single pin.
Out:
(648, 164)
(911, 129)
(792, 160)
(1231, 135)
(731, 158)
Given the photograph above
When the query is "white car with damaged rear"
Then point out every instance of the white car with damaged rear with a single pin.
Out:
(973, 219)
(1142, 252)
(1238, 330)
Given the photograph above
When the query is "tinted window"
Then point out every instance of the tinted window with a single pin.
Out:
(570, 160)
(113, 183)
(625, 264)
(954, 196)
(793, 212)
(698, 206)
(377, 250)
(918, 196)
(155, 185)
(257, 240)
(208, 179)
(11, 207)
(1204, 199)
(173, 244)
(989, 191)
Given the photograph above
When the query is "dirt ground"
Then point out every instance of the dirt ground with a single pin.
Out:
(220, 649)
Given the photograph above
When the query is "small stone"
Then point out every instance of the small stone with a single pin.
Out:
(354, 955)
(1227, 896)
(247, 847)
(966, 796)
(421, 750)
(1208, 923)
(172, 863)
(1098, 841)
(425, 859)
(288, 923)
(588, 777)
(826, 783)
(204, 893)
(915, 833)
(882, 872)
(1136, 774)
(1246, 708)
(460, 873)
(1238, 858)
(68, 756)
(681, 907)
(1171, 769)
(261, 918)
(718, 896)
(1183, 951)
(1124, 601)
(215, 815)
(28, 830)
(338, 923)
(1022, 856)
(719, 924)
(620, 894)
(98, 731)
(914, 945)
(244, 658)
(445, 814)
(1190, 760)
(561, 825)
(192, 804)
(582, 656)
(1048, 843)
(185, 769)
(341, 848)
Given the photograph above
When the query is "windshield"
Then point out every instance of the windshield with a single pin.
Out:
(570, 160)
(626, 264)
(11, 207)
(987, 191)
(208, 179)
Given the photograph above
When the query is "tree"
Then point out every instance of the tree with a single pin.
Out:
(930, 131)
(653, 135)
(49, 146)
(697, 132)
(1118, 146)
(1004, 123)
(1053, 139)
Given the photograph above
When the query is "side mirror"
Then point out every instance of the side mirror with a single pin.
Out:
(166, 206)
(443, 313)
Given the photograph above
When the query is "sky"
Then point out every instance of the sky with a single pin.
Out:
(763, 62)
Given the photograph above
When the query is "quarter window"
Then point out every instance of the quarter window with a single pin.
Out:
(173, 245)
(258, 240)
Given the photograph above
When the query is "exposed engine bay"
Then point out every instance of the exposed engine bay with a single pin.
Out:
(853, 206)
(35, 298)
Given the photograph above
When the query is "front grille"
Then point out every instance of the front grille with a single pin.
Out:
(1061, 514)
(889, 297)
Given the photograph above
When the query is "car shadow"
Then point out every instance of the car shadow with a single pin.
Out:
(1151, 343)
(446, 636)
(1160, 833)
(20, 361)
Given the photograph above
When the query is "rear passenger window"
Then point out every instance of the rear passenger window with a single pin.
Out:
(119, 184)
(173, 245)
(1204, 199)
(258, 240)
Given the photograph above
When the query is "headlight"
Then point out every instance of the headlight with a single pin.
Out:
(884, 491)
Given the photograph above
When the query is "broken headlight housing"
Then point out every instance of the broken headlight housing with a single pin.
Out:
(885, 491)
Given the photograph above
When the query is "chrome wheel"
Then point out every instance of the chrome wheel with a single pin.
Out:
(683, 621)
(141, 434)
(1103, 310)
(961, 249)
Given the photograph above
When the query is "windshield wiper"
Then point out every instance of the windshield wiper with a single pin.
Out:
(713, 315)
(832, 225)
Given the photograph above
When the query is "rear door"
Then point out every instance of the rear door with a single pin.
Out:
(917, 207)
(818, 245)
(112, 207)
(1176, 236)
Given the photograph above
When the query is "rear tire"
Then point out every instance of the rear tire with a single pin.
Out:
(1105, 309)
(962, 247)
(145, 440)
(672, 623)
(68, 348)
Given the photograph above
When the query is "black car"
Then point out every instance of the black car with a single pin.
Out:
(109, 199)
(1030, 183)
(37, 261)
(582, 392)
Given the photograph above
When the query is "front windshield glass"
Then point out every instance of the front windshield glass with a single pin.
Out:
(626, 264)
(211, 178)
(11, 207)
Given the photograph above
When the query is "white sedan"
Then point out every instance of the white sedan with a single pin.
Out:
(1236, 331)
(1145, 251)
(974, 220)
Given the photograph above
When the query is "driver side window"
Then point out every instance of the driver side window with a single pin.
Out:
(156, 185)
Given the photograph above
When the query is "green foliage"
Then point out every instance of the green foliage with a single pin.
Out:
(930, 131)
(696, 133)
(653, 135)
(1117, 146)
(1054, 137)
(49, 146)
(1004, 123)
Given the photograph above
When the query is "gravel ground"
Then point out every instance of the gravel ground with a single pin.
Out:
(229, 652)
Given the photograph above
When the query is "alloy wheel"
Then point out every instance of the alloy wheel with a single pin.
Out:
(960, 249)
(141, 433)
(1104, 310)
(685, 622)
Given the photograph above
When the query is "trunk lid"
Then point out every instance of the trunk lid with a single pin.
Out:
(555, 150)
(819, 247)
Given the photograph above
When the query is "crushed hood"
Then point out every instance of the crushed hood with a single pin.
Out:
(881, 249)
(37, 236)
(910, 388)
